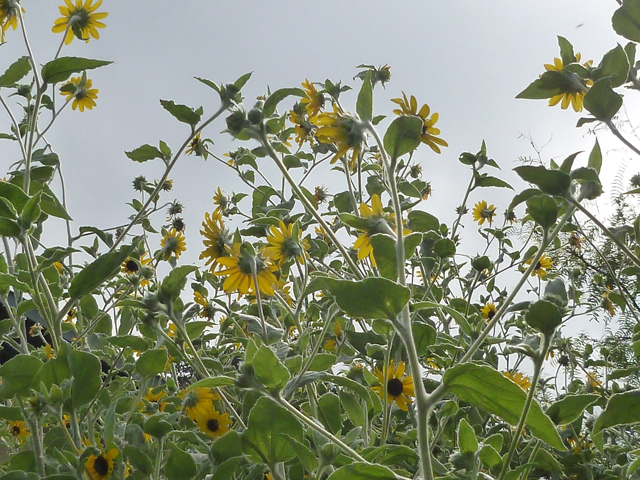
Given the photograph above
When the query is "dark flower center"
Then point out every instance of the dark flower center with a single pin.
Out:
(491, 314)
(395, 387)
(132, 266)
(16, 430)
(101, 465)
(538, 266)
(213, 425)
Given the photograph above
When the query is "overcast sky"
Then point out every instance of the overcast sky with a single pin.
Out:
(466, 59)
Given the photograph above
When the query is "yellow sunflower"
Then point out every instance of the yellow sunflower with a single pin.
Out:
(212, 423)
(79, 20)
(519, 378)
(574, 95)
(216, 239)
(239, 271)
(132, 265)
(542, 266)
(8, 17)
(606, 303)
(430, 133)
(314, 101)
(379, 222)
(489, 311)
(197, 147)
(19, 430)
(341, 130)
(100, 467)
(285, 243)
(482, 212)
(207, 310)
(592, 379)
(174, 243)
(155, 398)
(399, 388)
(220, 199)
(80, 91)
(303, 127)
(197, 401)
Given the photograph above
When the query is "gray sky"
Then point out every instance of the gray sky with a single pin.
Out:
(466, 59)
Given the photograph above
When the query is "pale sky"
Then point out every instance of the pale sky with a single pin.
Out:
(466, 59)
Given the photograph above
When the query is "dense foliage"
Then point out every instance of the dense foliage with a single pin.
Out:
(327, 333)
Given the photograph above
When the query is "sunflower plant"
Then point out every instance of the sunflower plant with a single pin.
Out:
(326, 333)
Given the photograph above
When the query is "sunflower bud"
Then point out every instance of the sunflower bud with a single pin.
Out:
(236, 122)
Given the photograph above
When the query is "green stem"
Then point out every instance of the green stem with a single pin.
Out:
(36, 437)
(256, 287)
(308, 205)
(617, 133)
(404, 326)
(546, 343)
(532, 457)
(385, 387)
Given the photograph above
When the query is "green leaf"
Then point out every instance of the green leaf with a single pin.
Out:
(595, 158)
(626, 20)
(544, 316)
(144, 153)
(60, 69)
(269, 370)
(329, 405)
(486, 388)
(11, 413)
(549, 84)
(86, 370)
(614, 65)
(226, 469)
(353, 407)
(241, 81)
(31, 211)
(543, 210)
(54, 371)
(570, 408)
(369, 298)
(553, 182)
(265, 440)
(97, 272)
(213, 382)
(138, 459)
(14, 194)
(362, 471)
(15, 72)
(458, 317)
(622, 409)
(419, 221)
(403, 136)
(322, 362)
(9, 228)
(364, 104)
(485, 180)
(567, 163)
(445, 247)
(152, 362)
(490, 457)
(601, 101)
(180, 465)
(17, 375)
(566, 51)
(467, 441)
(304, 454)
(175, 282)
(50, 203)
(182, 113)
(276, 97)
(157, 426)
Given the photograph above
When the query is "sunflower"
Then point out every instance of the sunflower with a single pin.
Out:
(482, 212)
(379, 222)
(155, 398)
(197, 401)
(606, 303)
(399, 389)
(542, 266)
(314, 101)
(132, 265)
(198, 147)
(212, 423)
(343, 131)
(239, 271)
(285, 243)
(8, 17)
(592, 380)
(519, 378)
(489, 311)
(575, 89)
(173, 243)
(430, 133)
(19, 430)
(303, 128)
(80, 20)
(216, 239)
(220, 199)
(100, 467)
(79, 89)
(207, 310)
